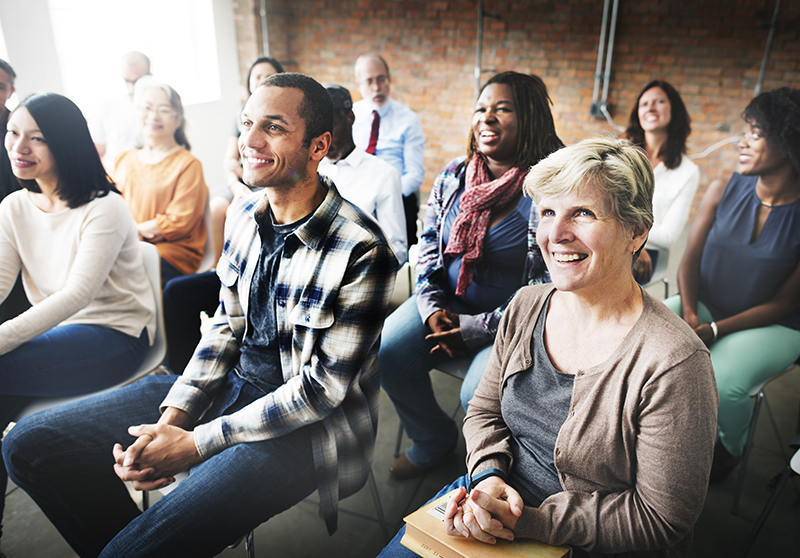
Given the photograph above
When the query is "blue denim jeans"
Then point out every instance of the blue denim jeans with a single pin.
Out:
(396, 550)
(405, 364)
(65, 361)
(62, 458)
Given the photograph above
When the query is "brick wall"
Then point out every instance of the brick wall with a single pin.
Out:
(711, 50)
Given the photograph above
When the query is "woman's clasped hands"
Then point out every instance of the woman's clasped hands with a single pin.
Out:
(489, 512)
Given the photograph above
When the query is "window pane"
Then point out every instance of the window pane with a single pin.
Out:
(178, 35)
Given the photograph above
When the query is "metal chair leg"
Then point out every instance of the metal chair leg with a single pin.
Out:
(767, 509)
(373, 486)
(145, 500)
(399, 441)
(781, 444)
(249, 546)
(737, 493)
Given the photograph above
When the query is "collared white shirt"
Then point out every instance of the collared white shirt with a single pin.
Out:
(400, 139)
(374, 186)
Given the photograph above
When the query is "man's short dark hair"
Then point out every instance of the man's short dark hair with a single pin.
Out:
(6, 67)
(316, 108)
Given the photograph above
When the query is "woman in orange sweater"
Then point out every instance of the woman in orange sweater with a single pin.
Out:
(163, 183)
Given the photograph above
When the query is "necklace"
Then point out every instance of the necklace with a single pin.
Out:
(765, 204)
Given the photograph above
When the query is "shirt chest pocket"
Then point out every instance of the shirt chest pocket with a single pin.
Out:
(311, 317)
(227, 275)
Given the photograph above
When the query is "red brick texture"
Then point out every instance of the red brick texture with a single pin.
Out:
(711, 50)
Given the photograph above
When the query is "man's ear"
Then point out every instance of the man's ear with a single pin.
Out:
(351, 118)
(319, 147)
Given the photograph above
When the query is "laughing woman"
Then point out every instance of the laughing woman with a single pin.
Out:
(474, 254)
(660, 124)
(73, 238)
(740, 275)
(594, 423)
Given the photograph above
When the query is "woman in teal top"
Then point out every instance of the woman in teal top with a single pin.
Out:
(740, 275)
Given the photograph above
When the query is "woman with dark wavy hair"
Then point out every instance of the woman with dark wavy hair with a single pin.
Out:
(73, 238)
(740, 275)
(660, 124)
(475, 252)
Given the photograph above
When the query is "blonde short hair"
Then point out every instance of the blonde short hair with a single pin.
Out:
(618, 166)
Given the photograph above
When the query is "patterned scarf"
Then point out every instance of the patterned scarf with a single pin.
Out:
(481, 195)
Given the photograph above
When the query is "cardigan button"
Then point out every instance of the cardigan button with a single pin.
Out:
(527, 362)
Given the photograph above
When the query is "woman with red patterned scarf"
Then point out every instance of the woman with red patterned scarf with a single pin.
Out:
(477, 248)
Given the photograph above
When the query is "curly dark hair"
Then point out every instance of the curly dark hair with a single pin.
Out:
(537, 136)
(777, 114)
(679, 128)
(81, 176)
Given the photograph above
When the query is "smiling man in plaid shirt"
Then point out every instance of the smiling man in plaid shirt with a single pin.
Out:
(280, 397)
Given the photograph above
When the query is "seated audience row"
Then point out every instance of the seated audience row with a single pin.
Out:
(281, 381)
(281, 397)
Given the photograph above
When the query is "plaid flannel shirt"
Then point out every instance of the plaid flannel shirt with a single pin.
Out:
(335, 280)
(477, 329)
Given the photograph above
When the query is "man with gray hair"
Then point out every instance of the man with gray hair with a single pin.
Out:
(391, 131)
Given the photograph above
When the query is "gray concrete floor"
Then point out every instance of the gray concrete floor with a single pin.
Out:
(300, 533)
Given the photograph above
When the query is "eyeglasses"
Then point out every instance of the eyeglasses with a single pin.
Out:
(164, 111)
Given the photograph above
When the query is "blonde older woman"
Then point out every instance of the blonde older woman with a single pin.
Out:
(163, 183)
(594, 423)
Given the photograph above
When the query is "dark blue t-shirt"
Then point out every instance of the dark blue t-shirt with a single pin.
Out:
(737, 274)
(505, 249)
(260, 359)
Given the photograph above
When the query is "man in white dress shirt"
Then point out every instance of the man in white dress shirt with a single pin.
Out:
(114, 127)
(391, 131)
(362, 179)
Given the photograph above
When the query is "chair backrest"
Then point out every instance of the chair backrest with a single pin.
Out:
(207, 263)
(155, 354)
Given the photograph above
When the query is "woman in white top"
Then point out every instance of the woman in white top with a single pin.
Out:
(73, 238)
(660, 124)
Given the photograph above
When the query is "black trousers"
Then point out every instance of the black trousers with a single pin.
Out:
(184, 298)
(411, 207)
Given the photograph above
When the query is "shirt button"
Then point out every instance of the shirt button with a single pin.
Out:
(527, 362)
(308, 318)
(281, 303)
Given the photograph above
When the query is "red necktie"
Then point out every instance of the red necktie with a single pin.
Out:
(373, 135)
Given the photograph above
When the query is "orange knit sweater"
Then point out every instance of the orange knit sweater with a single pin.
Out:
(174, 193)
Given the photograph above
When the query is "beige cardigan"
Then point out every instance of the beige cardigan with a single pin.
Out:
(634, 454)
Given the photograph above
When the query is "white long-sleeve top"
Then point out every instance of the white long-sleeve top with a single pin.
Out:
(672, 201)
(79, 266)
